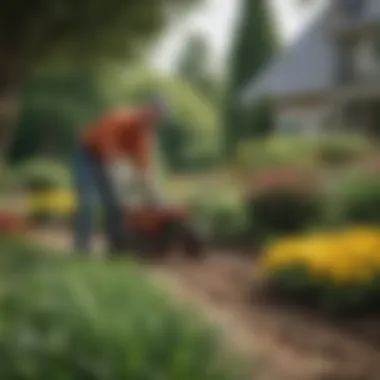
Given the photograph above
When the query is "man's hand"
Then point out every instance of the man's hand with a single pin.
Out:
(150, 192)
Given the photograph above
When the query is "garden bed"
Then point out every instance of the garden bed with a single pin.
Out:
(86, 319)
(289, 342)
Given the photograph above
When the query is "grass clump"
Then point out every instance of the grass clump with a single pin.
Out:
(68, 320)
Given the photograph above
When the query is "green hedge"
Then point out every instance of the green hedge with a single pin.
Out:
(73, 320)
(328, 150)
(223, 216)
(284, 211)
(356, 200)
(295, 284)
(43, 174)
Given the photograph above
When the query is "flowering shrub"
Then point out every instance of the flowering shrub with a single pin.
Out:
(61, 202)
(285, 178)
(49, 205)
(335, 270)
(283, 201)
(11, 223)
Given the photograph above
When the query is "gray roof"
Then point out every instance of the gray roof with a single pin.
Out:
(371, 11)
(305, 67)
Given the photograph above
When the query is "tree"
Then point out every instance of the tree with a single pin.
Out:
(55, 104)
(32, 30)
(194, 65)
(254, 44)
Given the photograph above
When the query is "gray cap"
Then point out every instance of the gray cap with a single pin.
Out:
(159, 103)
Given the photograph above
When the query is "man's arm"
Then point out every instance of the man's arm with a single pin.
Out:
(110, 126)
(145, 165)
(143, 156)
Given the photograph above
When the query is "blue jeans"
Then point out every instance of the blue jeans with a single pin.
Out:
(90, 180)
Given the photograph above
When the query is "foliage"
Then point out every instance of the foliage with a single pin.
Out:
(322, 151)
(91, 33)
(47, 183)
(80, 319)
(9, 180)
(357, 199)
(84, 29)
(224, 217)
(282, 202)
(255, 43)
(44, 174)
(173, 142)
(336, 271)
(56, 104)
(273, 151)
(339, 149)
(194, 66)
(260, 121)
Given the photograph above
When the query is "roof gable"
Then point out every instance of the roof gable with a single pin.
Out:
(308, 65)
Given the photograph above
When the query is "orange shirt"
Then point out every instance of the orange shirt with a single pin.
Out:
(122, 133)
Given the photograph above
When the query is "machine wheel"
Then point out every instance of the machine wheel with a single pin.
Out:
(172, 236)
(155, 244)
(165, 239)
(175, 236)
(192, 242)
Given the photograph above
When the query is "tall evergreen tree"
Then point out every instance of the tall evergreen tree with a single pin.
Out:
(254, 44)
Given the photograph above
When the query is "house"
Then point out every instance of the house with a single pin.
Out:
(329, 78)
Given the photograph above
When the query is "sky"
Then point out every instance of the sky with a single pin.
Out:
(216, 19)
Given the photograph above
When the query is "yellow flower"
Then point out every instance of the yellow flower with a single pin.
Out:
(350, 256)
(61, 202)
(284, 252)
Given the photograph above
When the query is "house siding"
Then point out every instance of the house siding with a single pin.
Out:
(330, 77)
(302, 120)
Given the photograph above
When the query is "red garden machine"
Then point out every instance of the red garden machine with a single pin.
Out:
(156, 227)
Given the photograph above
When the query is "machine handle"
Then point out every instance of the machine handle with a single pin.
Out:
(150, 196)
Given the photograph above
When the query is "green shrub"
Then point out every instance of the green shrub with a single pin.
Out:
(75, 320)
(283, 211)
(44, 174)
(284, 201)
(9, 180)
(224, 217)
(274, 151)
(294, 284)
(358, 200)
(339, 150)
(324, 150)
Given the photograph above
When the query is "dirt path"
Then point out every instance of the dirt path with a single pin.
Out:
(287, 344)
